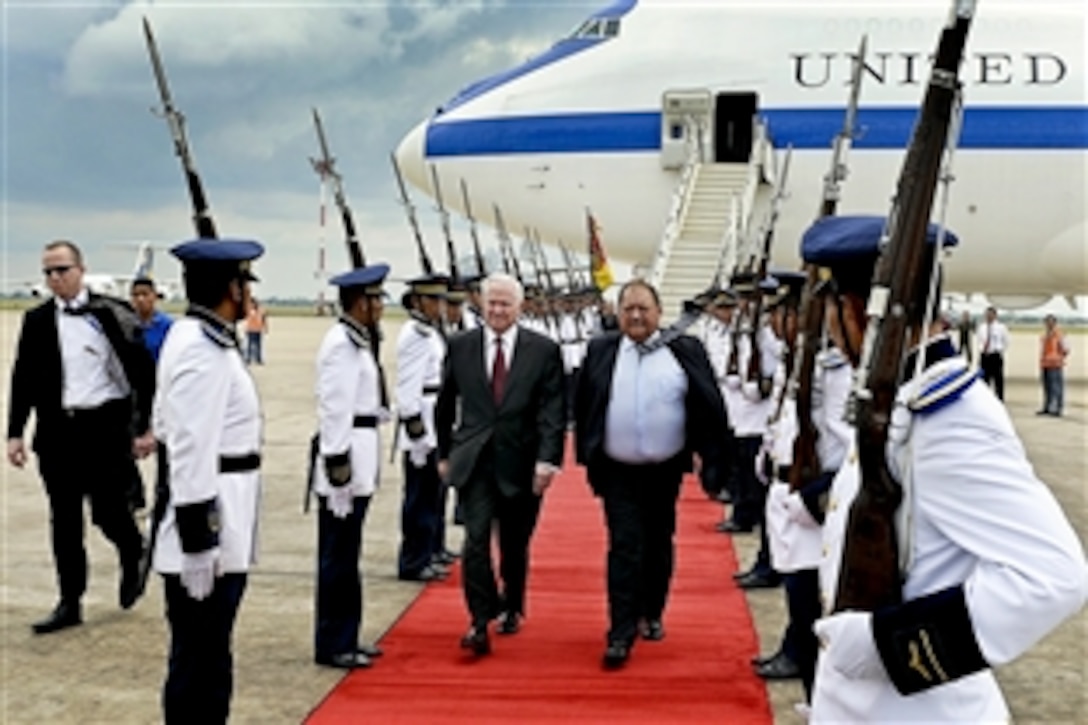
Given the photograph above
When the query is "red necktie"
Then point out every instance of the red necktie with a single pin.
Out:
(498, 372)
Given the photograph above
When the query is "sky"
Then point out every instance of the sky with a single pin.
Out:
(84, 158)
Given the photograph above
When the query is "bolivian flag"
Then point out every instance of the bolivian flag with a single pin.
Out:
(598, 261)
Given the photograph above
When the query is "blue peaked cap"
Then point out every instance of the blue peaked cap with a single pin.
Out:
(371, 275)
(218, 250)
(852, 239)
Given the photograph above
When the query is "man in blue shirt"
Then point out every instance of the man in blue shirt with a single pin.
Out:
(155, 323)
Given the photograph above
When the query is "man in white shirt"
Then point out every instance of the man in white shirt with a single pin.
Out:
(993, 340)
(645, 405)
(82, 367)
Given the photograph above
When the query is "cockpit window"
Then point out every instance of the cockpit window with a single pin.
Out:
(597, 28)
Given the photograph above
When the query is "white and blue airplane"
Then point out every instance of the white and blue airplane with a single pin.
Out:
(587, 123)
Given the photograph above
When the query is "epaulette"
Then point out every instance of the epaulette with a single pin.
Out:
(941, 385)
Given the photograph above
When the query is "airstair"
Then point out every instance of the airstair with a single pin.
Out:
(708, 230)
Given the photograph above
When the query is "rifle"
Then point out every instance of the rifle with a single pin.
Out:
(202, 219)
(550, 290)
(410, 211)
(506, 246)
(205, 229)
(810, 320)
(481, 268)
(870, 573)
(755, 367)
(444, 216)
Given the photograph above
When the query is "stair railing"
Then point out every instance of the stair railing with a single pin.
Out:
(681, 198)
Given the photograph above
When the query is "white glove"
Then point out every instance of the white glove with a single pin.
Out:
(417, 454)
(198, 572)
(341, 501)
(797, 512)
(732, 382)
(751, 392)
(848, 645)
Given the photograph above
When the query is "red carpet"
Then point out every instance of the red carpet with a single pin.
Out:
(550, 671)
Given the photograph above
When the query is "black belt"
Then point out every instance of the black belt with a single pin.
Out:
(432, 389)
(364, 421)
(239, 464)
(111, 406)
(784, 474)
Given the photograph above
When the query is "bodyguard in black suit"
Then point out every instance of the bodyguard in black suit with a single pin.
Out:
(82, 367)
(646, 402)
(504, 452)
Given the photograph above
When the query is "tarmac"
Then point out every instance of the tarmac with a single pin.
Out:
(111, 669)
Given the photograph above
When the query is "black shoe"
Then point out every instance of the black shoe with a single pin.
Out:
(429, 573)
(509, 623)
(724, 497)
(738, 575)
(762, 659)
(779, 667)
(760, 580)
(443, 558)
(616, 655)
(652, 630)
(345, 661)
(732, 527)
(370, 650)
(477, 640)
(63, 616)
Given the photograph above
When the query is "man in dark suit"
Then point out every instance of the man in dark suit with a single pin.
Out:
(81, 365)
(646, 402)
(504, 452)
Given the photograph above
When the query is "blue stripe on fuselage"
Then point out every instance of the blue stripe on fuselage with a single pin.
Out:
(1011, 128)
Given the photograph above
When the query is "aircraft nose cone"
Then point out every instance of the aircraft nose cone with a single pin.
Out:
(411, 156)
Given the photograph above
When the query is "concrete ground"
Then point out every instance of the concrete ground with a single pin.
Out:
(111, 668)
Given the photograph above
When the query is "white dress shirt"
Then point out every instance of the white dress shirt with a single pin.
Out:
(91, 371)
(646, 418)
(509, 339)
(993, 337)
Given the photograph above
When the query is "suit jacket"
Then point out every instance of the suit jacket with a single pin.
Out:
(36, 376)
(525, 428)
(707, 428)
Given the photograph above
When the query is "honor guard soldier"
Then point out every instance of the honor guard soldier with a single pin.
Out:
(421, 351)
(351, 403)
(453, 319)
(988, 562)
(208, 421)
(473, 314)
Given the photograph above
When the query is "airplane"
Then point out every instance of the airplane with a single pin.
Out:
(117, 285)
(601, 120)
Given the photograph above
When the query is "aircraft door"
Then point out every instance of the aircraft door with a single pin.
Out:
(734, 120)
(683, 112)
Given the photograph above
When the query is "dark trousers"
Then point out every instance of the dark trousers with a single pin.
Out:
(339, 610)
(750, 495)
(1053, 390)
(200, 677)
(137, 498)
(570, 384)
(485, 510)
(95, 463)
(993, 372)
(254, 351)
(438, 544)
(640, 512)
(803, 607)
(418, 515)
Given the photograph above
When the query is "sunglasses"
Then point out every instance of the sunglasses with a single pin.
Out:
(58, 269)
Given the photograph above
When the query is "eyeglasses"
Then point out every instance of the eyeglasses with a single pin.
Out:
(57, 269)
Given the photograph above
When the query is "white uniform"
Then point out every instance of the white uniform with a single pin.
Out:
(570, 342)
(206, 407)
(349, 406)
(974, 514)
(420, 352)
(749, 411)
(796, 540)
